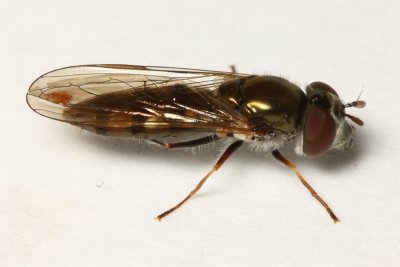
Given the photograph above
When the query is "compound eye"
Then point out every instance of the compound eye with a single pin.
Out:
(319, 131)
(323, 86)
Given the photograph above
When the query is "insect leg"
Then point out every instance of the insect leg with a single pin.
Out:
(196, 142)
(292, 166)
(233, 68)
(228, 152)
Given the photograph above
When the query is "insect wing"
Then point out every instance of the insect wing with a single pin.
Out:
(129, 96)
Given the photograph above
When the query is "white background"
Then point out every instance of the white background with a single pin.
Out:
(74, 199)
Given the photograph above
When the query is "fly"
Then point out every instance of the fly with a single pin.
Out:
(177, 107)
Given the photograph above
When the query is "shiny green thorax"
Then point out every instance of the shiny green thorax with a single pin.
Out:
(266, 100)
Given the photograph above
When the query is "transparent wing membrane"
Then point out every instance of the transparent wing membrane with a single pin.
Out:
(136, 97)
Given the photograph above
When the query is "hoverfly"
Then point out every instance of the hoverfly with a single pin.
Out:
(162, 103)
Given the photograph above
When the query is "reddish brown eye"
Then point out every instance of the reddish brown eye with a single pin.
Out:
(319, 131)
(323, 86)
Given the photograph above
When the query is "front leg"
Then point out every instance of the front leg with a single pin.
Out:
(292, 166)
